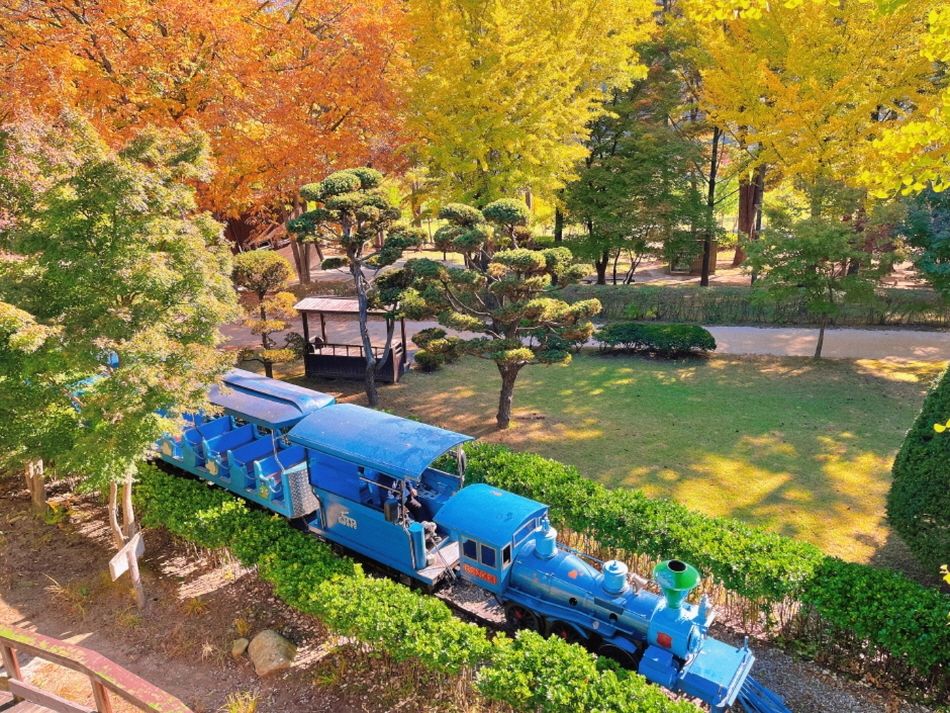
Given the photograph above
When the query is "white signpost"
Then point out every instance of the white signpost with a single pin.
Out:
(127, 560)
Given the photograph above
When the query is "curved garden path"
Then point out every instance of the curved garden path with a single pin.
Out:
(845, 343)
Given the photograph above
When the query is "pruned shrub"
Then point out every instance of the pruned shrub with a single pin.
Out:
(918, 505)
(669, 340)
(436, 348)
(428, 361)
(732, 304)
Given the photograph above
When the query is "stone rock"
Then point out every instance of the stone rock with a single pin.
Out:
(270, 652)
(238, 647)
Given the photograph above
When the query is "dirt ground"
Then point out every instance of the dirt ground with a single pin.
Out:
(54, 579)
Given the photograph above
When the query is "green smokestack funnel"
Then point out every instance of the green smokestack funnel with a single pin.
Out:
(677, 579)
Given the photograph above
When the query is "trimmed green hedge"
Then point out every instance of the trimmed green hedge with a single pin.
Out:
(903, 619)
(529, 673)
(724, 304)
(918, 505)
(668, 340)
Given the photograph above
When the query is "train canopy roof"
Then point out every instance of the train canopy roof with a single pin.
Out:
(268, 402)
(488, 514)
(381, 441)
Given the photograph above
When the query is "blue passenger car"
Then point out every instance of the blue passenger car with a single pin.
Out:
(367, 468)
(245, 448)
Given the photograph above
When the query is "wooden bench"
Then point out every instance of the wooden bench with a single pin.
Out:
(105, 677)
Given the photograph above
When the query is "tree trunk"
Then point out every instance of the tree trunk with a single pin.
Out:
(601, 266)
(821, 337)
(509, 373)
(118, 537)
(128, 511)
(616, 259)
(710, 209)
(38, 487)
(302, 259)
(751, 195)
(372, 395)
(558, 234)
(390, 331)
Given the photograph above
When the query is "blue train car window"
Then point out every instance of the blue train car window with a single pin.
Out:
(524, 531)
(489, 556)
(469, 549)
(506, 556)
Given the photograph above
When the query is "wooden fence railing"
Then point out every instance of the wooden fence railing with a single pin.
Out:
(104, 676)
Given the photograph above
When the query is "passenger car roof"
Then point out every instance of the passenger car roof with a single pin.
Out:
(268, 402)
(391, 444)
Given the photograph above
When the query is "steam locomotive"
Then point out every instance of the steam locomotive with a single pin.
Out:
(365, 480)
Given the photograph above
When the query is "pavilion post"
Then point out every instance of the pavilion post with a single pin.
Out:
(306, 330)
(323, 328)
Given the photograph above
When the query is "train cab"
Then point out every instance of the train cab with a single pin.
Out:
(491, 526)
(244, 446)
(378, 492)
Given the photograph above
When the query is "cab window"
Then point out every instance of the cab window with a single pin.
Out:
(488, 556)
(469, 549)
(524, 531)
(506, 556)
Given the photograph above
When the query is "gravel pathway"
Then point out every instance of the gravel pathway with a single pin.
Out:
(775, 341)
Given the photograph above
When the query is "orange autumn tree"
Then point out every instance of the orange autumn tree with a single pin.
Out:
(284, 89)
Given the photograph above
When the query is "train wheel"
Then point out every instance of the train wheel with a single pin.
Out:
(624, 658)
(565, 631)
(518, 617)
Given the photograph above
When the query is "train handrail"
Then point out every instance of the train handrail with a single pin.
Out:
(104, 675)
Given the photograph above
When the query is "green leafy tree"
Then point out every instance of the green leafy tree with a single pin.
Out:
(501, 296)
(928, 231)
(355, 216)
(265, 274)
(111, 273)
(814, 258)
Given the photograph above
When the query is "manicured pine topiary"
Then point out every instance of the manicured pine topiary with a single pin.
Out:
(918, 505)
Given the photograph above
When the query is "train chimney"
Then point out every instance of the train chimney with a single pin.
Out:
(546, 541)
(677, 579)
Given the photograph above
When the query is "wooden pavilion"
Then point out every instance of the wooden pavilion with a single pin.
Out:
(348, 361)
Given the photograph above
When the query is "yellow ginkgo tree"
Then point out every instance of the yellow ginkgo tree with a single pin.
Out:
(502, 91)
(809, 86)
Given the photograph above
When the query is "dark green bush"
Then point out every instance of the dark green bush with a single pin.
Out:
(436, 348)
(428, 361)
(918, 505)
(668, 340)
(726, 304)
(390, 617)
(872, 604)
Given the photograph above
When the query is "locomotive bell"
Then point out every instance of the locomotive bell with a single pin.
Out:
(677, 579)
(615, 577)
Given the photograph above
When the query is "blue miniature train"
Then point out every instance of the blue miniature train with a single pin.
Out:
(365, 480)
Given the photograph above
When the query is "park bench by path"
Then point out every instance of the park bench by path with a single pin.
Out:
(105, 677)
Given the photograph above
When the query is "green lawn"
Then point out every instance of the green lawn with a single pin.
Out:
(804, 448)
